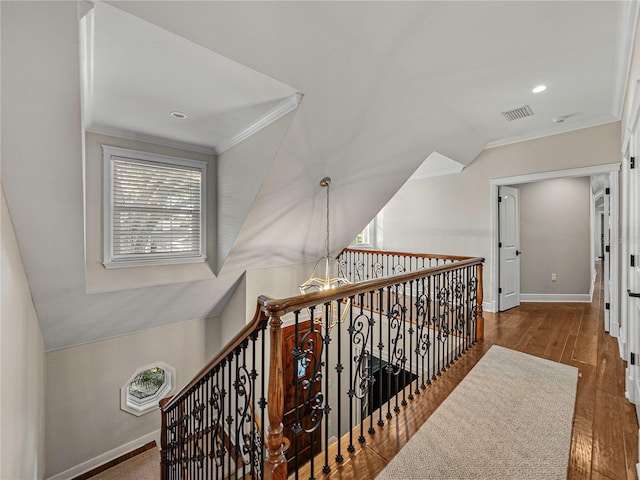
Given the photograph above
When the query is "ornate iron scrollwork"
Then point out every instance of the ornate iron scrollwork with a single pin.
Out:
(363, 378)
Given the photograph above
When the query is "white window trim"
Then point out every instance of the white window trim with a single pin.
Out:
(374, 230)
(139, 407)
(109, 261)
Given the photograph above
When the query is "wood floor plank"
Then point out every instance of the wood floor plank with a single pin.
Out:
(581, 449)
(608, 444)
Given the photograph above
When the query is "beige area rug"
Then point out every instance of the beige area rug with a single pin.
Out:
(509, 418)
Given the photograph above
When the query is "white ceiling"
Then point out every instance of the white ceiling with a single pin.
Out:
(435, 67)
(136, 74)
(385, 84)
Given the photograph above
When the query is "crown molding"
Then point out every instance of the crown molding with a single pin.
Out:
(602, 120)
(143, 137)
(287, 105)
(627, 24)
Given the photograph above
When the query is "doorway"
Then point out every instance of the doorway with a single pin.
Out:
(493, 268)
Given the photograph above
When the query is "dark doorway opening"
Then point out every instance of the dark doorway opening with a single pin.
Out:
(393, 380)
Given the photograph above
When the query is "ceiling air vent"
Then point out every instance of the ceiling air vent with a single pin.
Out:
(518, 113)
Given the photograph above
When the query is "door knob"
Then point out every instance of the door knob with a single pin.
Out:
(518, 252)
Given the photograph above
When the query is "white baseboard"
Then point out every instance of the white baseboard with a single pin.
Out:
(622, 348)
(489, 306)
(84, 467)
(555, 297)
(614, 330)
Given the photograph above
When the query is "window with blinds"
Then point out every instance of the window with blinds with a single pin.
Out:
(154, 209)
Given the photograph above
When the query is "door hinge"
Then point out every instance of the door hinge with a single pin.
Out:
(632, 358)
(499, 290)
(633, 260)
(499, 199)
(607, 306)
(607, 190)
(499, 244)
(606, 249)
(632, 162)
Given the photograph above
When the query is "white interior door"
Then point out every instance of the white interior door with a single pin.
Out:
(509, 247)
(625, 270)
(633, 283)
(606, 274)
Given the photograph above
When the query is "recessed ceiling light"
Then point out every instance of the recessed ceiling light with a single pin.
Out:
(539, 88)
(179, 115)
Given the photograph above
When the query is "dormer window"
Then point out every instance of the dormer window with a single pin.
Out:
(154, 209)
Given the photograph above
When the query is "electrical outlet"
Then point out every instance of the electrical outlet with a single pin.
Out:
(553, 277)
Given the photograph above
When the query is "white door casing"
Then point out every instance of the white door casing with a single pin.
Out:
(509, 247)
(625, 300)
(614, 258)
(633, 279)
(607, 260)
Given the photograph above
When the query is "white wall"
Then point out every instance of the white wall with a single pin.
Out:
(85, 425)
(452, 214)
(555, 236)
(22, 369)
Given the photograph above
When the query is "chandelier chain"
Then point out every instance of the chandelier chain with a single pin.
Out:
(328, 250)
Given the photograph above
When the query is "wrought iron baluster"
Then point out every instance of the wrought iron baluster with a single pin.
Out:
(223, 396)
(427, 324)
(206, 386)
(351, 393)
(190, 436)
(380, 355)
(339, 368)
(371, 383)
(403, 318)
(256, 441)
(229, 419)
(263, 392)
(410, 318)
(388, 367)
(436, 327)
(297, 356)
(325, 341)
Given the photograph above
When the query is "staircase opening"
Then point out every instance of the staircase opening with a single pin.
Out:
(393, 381)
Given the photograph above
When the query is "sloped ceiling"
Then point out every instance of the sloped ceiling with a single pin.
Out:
(385, 84)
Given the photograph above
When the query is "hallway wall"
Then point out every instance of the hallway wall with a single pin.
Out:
(22, 416)
(452, 214)
(555, 236)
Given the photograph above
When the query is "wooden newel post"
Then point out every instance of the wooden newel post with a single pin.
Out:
(480, 298)
(163, 440)
(276, 464)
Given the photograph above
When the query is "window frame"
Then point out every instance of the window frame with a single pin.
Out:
(139, 407)
(372, 232)
(111, 153)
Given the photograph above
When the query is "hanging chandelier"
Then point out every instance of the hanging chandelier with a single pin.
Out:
(317, 283)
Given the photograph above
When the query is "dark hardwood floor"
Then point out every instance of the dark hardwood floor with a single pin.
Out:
(605, 432)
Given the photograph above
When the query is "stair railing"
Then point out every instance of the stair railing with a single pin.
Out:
(361, 352)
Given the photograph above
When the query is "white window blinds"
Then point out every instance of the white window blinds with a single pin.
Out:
(156, 210)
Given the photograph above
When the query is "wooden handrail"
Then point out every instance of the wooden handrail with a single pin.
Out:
(269, 307)
(242, 335)
(278, 307)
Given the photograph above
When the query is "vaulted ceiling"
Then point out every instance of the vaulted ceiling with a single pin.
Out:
(384, 85)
